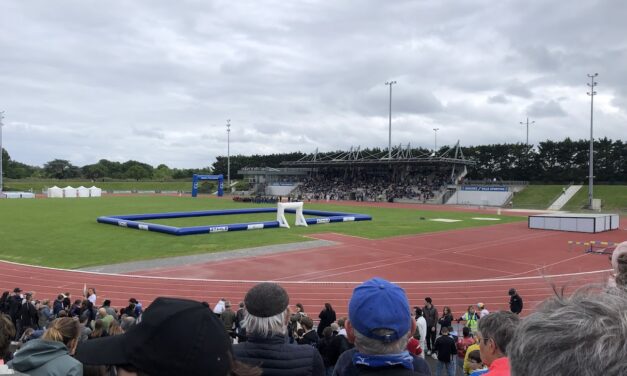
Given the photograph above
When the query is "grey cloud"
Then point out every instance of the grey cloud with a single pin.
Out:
(546, 109)
(499, 98)
(519, 90)
(148, 132)
(144, 80)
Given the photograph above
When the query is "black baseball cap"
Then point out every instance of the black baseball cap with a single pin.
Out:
(174, 337)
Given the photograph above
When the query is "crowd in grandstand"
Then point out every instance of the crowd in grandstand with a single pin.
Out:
(581, 334)
(365, 187)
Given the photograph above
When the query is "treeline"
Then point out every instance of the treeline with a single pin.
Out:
(104, 169)
(558, 162)
(550, 161)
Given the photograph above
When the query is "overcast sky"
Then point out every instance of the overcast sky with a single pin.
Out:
(156, 81)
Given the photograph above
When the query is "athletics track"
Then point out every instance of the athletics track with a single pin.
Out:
(456, 268)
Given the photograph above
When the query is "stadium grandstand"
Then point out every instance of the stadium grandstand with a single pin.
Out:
(404, 175)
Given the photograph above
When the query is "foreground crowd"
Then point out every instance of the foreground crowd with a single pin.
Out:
(581, 334)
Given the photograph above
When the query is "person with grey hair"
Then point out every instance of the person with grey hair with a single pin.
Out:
(494, 335)
(267, 338)
(379, 324)
(127, 322)
(583, 334)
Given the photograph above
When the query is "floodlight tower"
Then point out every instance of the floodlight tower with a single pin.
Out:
(1, 117)
(390, 83)
(228, 152)
(591, 93)
(435, 141)
(527, 123)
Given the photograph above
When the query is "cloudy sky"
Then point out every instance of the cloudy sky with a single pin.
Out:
(156, 81)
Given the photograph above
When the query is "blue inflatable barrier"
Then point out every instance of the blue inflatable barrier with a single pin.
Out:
(136, 220)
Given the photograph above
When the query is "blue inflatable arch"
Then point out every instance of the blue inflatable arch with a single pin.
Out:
(197, 178)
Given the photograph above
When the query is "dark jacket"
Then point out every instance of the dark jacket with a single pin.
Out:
(57, 307)
(277, 357)
(516, 303)
(332, 348)
(309, 338)
(445, 321)
(29, 315)
(431, 315)
(45, 358)
(228, 319)
(15, 303)
(345, 367)
(327, 317)
(446, 348)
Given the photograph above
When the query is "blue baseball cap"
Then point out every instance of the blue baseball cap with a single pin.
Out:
(379, 304)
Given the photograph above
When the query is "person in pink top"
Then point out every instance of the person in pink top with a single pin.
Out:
(495, 332)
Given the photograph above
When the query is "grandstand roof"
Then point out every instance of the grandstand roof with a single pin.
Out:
(400, 155)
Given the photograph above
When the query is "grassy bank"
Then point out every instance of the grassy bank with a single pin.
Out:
(613, 198)
(537, 196)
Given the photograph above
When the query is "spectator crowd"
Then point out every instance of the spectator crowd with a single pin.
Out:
(579, 334)
(366, 187)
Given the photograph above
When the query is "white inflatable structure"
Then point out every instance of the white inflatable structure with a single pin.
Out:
(69, 192)
(55, 192)
(82, 191)
(280, 213)
(95, 191)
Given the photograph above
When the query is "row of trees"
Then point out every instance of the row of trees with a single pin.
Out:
(63, 169)
(550, 161)
(563, 161)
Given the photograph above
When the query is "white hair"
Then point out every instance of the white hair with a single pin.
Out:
(579, 335)
(266, 326)
(372, 346)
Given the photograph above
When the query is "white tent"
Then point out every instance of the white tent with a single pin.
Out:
(69, 192)
(82, 191)
(55, 192)
(95, 191)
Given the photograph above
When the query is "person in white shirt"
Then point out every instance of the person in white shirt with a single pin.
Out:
(341, 322)
(220, 306)
(91, 295)
(421, 324)
(482, 310)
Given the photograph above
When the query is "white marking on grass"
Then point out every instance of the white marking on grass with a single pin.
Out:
(486, 219)
(445, 220)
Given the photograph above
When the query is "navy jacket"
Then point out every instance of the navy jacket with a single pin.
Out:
(345, 367)
(277, 357)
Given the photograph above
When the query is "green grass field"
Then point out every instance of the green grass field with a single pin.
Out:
(613, 198)
(537, 196)
(64, 233)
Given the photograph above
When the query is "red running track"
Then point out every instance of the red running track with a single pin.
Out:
(456, 268)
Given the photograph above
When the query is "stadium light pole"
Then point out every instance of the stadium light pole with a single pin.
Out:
(527, 123)
(228, 152)
(390, 83)
(591, 93)
(1, 172)
(435, 140)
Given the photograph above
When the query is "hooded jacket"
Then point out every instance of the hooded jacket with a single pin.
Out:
(46, 358)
